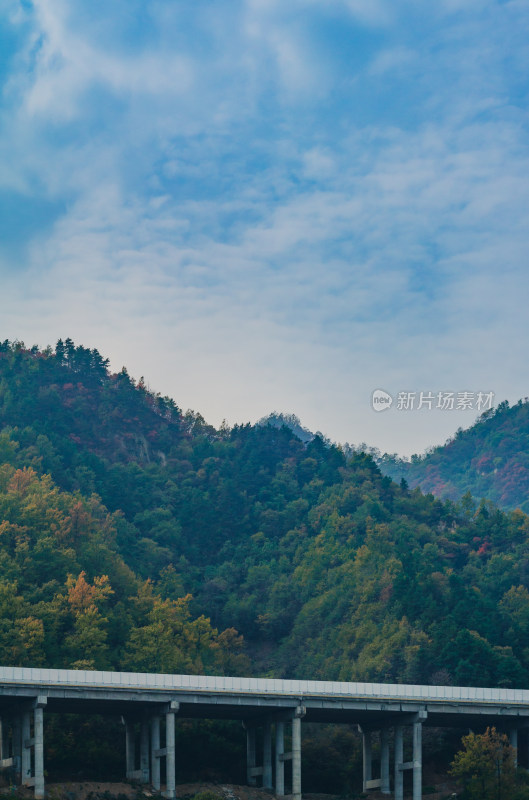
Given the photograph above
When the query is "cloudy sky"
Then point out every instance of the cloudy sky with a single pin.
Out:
(266, 205)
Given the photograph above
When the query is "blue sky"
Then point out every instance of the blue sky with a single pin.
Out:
(263, 205)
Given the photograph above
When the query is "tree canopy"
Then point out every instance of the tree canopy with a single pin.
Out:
(125, 522)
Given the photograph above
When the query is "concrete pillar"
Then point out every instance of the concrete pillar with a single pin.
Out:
(39, 752)
(367, 759)
(170, 760)
(399, 759)
(26, 747)
(144, 752)
(280, 764)
(17, 747)
(4, 738)
(267, 756)
(296, 758)
(130, 749)
(384, 761)
(250, 755)
(155, 746)
(417, 760)
(513, 739)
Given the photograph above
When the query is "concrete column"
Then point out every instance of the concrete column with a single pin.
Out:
(367, 759)
(3, 740)
(417, 760)
(39, 752)
(399, 759)
(26, 747)
(130, 749)
(296, 758)
(170, 760)
(155, 746)
(17, 747)
(144, 752)
(250, 755)
(280, 764)
(513, 739)
(267, 756)
(384, 761)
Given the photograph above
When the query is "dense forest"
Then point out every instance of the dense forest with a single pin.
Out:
(136, 536)
(490, 459)
(127, 524)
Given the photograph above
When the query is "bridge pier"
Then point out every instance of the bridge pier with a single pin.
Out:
(296, 752)
(26, 748)
(280, 758)
(150, 751)
(155, 754)
(266, 771)
(144, 752)
(4, 746)
(130, 749)
(399, 762)
(24, 743)
(367, 760)
(417, 760)
(6, 754)
(368, 782)
(17, 747)
(170, 750)
(415, 764)
(38, 731)
(384, 761)
(267, 756)
(251, 777)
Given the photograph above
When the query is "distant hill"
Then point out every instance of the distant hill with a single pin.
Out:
(291, 421)
(490, 459)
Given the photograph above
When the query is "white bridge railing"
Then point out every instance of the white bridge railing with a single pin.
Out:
(259, 686)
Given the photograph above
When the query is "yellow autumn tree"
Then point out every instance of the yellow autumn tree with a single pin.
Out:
(87, 643)
(486, 766)
(173, 642)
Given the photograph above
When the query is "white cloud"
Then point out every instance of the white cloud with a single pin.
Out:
(371, 11)
(227, 214)
(67, 64)
(392, 60)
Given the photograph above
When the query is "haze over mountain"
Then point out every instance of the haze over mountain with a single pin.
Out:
(490, 459)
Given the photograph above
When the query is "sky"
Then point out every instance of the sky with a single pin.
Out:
(274, 206)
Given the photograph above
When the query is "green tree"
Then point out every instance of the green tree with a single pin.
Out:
(486, 766)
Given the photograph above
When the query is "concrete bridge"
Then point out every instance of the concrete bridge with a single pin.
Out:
(149, 705)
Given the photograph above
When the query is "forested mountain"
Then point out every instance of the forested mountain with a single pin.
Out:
(490, 459)
(135, 536)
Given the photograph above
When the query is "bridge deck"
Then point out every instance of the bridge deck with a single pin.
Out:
(200, 684)
(205, 696)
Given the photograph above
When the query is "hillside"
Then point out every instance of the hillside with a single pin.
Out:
(490, 459)
(123, 518)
